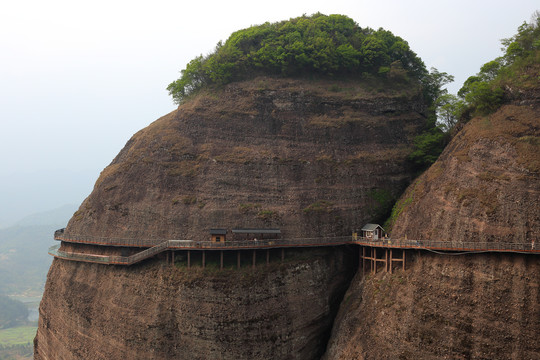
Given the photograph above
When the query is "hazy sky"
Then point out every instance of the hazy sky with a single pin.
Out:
(77, 79)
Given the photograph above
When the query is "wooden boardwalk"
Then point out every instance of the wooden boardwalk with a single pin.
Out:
(152, 247)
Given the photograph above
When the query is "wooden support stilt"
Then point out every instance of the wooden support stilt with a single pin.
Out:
(172, 258)
(254, 258)
(374, 260)
(221, 260)
(282, 254)
(385, 260)
(189, 259)
(238, 259)
(391, 261)
(203, 259)
(267, 256)
(363, 259)
(403, 259)
(167, 254)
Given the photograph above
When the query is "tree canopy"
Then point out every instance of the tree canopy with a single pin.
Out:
(319, 45)
(483, 93)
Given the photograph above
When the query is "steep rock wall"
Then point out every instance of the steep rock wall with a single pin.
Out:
(152, 311)
(313, 158)
(484, 187)
(481, 306)
(266, 153)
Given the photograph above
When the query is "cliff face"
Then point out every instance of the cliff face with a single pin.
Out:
(484, 187)
(311, 158)
(480, 306)
(150, 311)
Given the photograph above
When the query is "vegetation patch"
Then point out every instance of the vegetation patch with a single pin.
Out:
(490, 176)
(528, 148)
(237, 155)
(321, 206)
(488, 200)
(383, 201)
(189, 200)
(268, 215)
(21, 335)
(247, 208)
(184, 168)
(402, 204)
(108, 172)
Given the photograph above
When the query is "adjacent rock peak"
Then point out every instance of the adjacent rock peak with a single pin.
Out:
(485, 186)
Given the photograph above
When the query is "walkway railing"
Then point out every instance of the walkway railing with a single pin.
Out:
(449, 245)
(193, 244)
(300, 242)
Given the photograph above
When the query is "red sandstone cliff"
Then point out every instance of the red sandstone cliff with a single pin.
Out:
(151, 311)
(310, 157)
(484, 187)
(266, 153)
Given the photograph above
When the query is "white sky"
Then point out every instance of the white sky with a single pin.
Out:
(77, 79)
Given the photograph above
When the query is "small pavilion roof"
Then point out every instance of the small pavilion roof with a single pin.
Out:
(371, 227)
(218, 231)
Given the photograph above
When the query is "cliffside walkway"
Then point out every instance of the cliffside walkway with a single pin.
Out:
(156, 246)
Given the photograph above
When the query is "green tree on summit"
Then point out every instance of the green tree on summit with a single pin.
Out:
(317, 45)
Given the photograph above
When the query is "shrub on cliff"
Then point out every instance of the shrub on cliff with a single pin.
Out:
(484, 92)
(318, 45)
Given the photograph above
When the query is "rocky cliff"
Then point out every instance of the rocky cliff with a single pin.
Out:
(479, 306)
(150, 311)
(314, 158)
(309, 157)
(484, 187)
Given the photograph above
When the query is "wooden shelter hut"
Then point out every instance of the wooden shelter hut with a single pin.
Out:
(218, 235)
(372, 232)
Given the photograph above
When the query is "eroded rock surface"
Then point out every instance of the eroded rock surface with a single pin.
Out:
(266, 153)
(484, 188)
(481, 306)
(152, 311)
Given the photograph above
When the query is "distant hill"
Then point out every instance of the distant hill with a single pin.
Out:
(56, 216)
(24, 260)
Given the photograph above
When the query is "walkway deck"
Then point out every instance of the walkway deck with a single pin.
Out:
(154, 247)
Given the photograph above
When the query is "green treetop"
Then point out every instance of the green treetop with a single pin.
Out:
(319, 45)
(484, 92)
